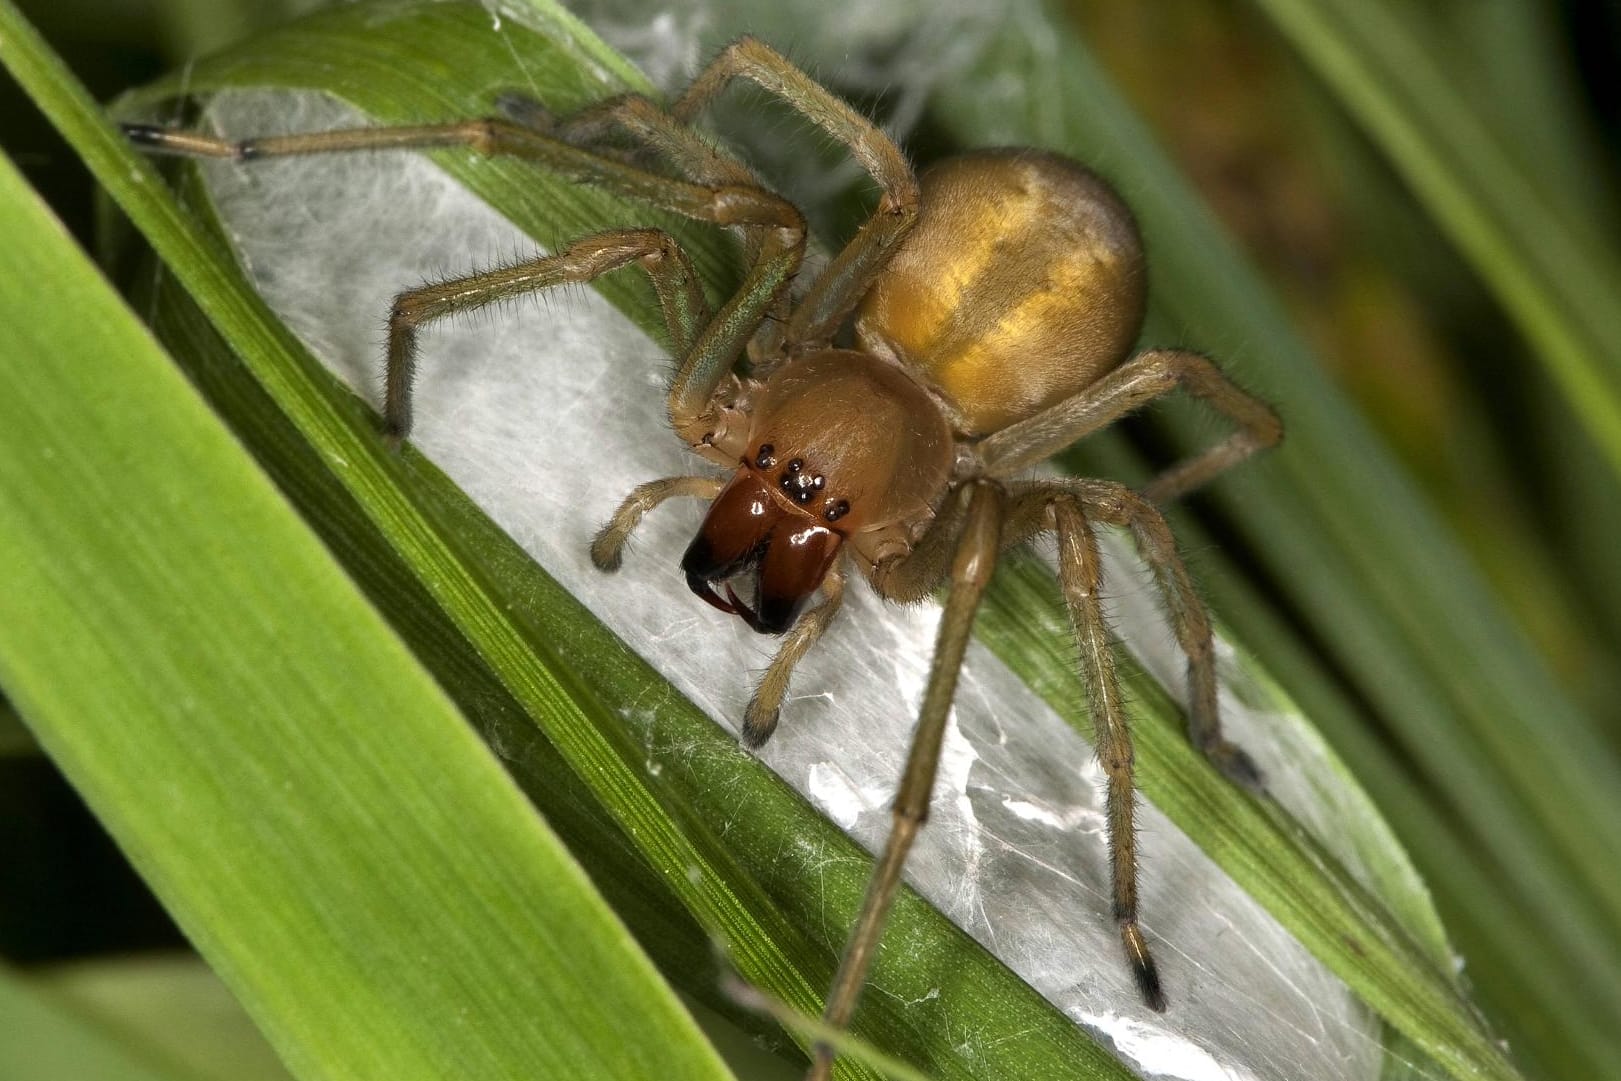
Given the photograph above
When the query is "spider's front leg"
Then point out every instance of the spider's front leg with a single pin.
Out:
(656, 252)
(669, 134)
(976, 534)
(707, 347)
(840, 286)
(636, 129)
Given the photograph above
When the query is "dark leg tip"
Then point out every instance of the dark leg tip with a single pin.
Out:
(1236, 766)
(1142, 964)
(603, 556)
(393, 439)
(758, 725)
(1148, 985)
(144, 134)
(520, 108)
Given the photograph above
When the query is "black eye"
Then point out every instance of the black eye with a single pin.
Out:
(838, 510)
(767, 456)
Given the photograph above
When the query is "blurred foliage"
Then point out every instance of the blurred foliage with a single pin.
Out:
(1407, 329)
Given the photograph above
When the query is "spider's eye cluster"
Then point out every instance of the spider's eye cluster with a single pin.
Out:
(799, 483)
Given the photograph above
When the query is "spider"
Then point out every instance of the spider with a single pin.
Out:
(991, 306)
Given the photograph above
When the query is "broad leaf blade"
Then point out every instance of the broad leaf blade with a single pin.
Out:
(310, 806)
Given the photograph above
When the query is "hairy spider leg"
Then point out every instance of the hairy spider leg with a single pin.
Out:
(760, 718)
(656, 252)
(1079, 576)
(1131, 386)
(976, 548)
(607, 548)
(713, 346)
(688, 151)
(1114, 504)
(834, 294)
(669, 132)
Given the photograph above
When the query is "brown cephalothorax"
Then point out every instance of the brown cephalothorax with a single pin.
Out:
(842, 447)
(993, 306)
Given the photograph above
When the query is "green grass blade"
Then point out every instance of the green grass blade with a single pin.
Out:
(1200, 783)
(309, 805)
(1523, 983)
(15, 739)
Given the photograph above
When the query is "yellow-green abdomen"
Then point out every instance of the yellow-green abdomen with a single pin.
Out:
(1021, 284)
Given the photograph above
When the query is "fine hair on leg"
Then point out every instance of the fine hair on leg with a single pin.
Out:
(1080, 576)
(1139, 381)
(971, 569)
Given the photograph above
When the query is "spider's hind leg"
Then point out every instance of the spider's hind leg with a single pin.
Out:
(1067, 508)
(1080, 575)
(1144, 378)
(1190, 622)
(1118, 505)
